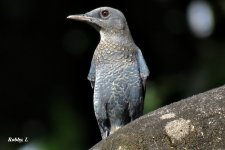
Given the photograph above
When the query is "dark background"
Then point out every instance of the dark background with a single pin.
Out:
(45, 59)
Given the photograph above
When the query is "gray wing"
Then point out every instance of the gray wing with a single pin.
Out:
(91, 74)
(137, 93)
(143, 68)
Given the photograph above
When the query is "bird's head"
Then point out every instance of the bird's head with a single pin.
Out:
(103, 18)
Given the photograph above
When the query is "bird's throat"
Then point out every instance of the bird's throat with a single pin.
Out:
(116, 37)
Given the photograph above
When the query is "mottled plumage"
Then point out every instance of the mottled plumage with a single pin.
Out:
(118, 71)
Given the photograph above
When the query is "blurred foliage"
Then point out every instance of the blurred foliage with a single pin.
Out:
(153, 99)
(68, 128)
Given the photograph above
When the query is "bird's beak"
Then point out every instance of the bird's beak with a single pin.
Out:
(81, 17)
(86, 18)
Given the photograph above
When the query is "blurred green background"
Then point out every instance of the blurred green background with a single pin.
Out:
(45, 59)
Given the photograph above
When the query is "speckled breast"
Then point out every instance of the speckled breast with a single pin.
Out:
(116, 69)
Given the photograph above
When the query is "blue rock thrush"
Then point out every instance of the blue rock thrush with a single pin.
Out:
(118, 70)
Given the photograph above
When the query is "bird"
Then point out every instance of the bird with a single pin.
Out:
(118, 71)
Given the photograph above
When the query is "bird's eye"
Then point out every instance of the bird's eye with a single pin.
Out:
(105, 13)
